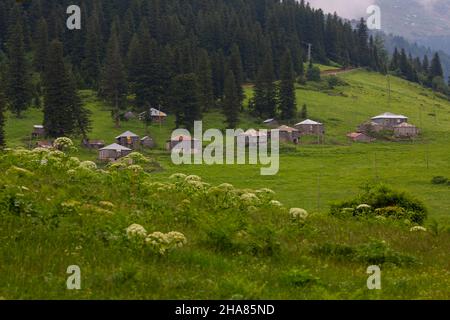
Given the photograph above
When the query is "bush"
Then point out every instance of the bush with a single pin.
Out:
(384, 201)
(334, 81)
(313, 74)
(299, 278)
(439, 180)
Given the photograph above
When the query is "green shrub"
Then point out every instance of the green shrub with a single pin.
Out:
(439, 180)
(385, 202)
(299, 278)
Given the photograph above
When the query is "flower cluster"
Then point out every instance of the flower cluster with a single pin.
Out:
(165, 242)
(63, 144)
(298, 214)
(136, 231)
(418, 229)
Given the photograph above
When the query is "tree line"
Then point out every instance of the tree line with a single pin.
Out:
(181, 56)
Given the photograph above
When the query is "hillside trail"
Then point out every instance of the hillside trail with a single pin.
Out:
(335, 72)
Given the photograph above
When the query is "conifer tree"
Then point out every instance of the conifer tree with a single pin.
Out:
(185, 100)
(2, 112)
(113, 84)
(63, 113)
(41, 45)
(436, 67)
(265, 91)
(18, 76)
(287, 97)
(205, 81)
(236, 67)
(231, 101)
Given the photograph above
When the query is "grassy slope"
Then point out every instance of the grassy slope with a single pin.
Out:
(317, 175)
(35, 258)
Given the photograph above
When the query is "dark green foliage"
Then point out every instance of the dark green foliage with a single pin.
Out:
(375, 252)
(231, 101)
(265, 91)
(2, 112)
(113, 84)
(186, 100)
(313, 73)
(63, 113)
(287, 98)
(383, 201)
(439, 180)
(18, 77)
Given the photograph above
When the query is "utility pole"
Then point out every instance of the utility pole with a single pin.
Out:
(309, 50)
(389, 90)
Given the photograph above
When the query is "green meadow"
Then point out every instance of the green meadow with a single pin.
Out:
(234, 251)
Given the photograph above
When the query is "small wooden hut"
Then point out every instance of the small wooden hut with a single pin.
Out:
(113, 152)
(256, 137)
(360, 137)
(406, 130)
(94, 144)
(310, 127)
(157, 115)
(38, 131)
(183, 142)
(389, 120)
(288, 134)
(128, 139)
(147, 142)
(272, 123)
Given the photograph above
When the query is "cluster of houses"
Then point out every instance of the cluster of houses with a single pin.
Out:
(293, 134)
(386, 124)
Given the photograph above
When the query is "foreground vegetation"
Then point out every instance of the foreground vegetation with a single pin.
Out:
(230, 243)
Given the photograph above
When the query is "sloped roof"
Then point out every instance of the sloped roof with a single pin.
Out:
(269, 120)
(115, 147)
(146, 138)
(253, 133)
(157, 113)
(38, 126)
(127, 134)
(389, 115)
(309, 122)
(285, 128)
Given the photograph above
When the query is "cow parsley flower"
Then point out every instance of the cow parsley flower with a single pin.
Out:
(298, 213)
(249, 199)
(136, 230)
(88, 165)
(275, 203)
(418, 229)
(193, 178)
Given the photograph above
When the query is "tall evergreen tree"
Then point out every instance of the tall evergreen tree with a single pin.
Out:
(63, 112)
(185, 100)
(41, 45)
(231, 101)
(205, 81)
(2, 111)
(236, 67)
(436, 67)
(265, 91)
(18, 77)
(113, 84)
(287, 97)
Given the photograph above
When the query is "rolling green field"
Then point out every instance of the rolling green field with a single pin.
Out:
(234, 251)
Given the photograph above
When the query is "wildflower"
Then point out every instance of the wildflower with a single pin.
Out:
(249, 199)
(418, 229)
(106, 204)
(135, 168)
(164, 242)
(226, 186)
(363, 207)
(275, 203)
(298, 213)
(88, 165)
(136, 230)
(21, 172)
(73, 162)
(63, 144)
(136, 158)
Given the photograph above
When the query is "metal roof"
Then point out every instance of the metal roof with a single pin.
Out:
(286, 129)
(157, 113)
(127, 134)
(115, 147)
(309, 121)
(389, 115)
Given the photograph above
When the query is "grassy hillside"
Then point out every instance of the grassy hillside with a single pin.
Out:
(316, 175)
(56, 212)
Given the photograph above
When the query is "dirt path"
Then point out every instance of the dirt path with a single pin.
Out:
(335, 72)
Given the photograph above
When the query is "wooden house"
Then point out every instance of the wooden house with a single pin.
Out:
(157, 115)
(94, 144)
(38, 131)
(389, 120)
(310, 127)
(360, 137)
(147, 142)
(406, 130)
(44, 144)
(272, 123)
(128, 139)
(185, 143)
(113, 152)
(253, 137)
(288, 134)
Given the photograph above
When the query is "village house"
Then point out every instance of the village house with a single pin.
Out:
(389, 120)
(113, 152)
(129, 115)
(147, 142)
(310, 127)
(288, 134)
(44, 144)
(128, 139)
(360, 137)
(157, 115)
(272, 123)
(38, 131)
(94, 144)
(256, 135)
(405, 130)
(185, 143)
